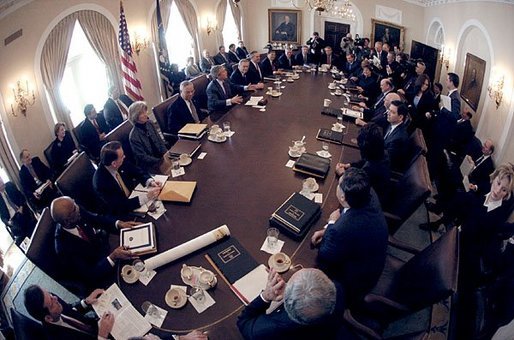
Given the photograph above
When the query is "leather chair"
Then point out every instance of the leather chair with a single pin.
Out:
(26, 328)
(76, 182)
(41, 249)
(200, 84)
(407, 194)
(48, 155)
(121, 134)
(161, 114)
(407, 287)
(78, 138)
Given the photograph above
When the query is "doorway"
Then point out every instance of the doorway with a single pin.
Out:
(334, 32)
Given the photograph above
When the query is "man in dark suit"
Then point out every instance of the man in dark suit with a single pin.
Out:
(380, 54)
(378, 115)
(462, 135)
(269, 65)
(62, 321)
(14, 211)
(206, 62)
(222, 57)
(240, 75)
(479, 180)
(369, 93)
(396, 136)
(241, 50)
(352, 248)
(255, 72)
(115, 178)
(184, 110)
(232, 54)
(93, 130)
(329, 58)
(286, 60)
(222, 94)
(304, 57)
(33, 174)
(351, 68)
(313, 307)
(116, 107)
(316, 45)
(83, 249)
(409, 86)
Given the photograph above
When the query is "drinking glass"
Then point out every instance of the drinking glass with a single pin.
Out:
(272, 238)
(340, 120)
(150, 309)
(175, 164)
(226, 127)
(324, 146)
(198, 294)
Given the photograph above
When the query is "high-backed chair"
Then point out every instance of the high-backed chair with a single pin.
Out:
(407, 287)
(76, 182)
(26, 328)
(407, 194)
(160, 112)
(121, 134)
(41, 249)
(200, 84)
(48, 156)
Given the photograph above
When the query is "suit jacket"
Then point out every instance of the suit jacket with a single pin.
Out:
(242, 53)
(371, 89)
(352, 70)
(462, 135)
(254, 75)
(480, 175)
(112, 113)
(254, 323)
(28, 183)
(217, 98)
(206, 64)
(220, 59)
(335, 61)
(89, 137)
(284, 63)
(233, 57)
(192, 71)
(75, 311)
(179, 115)
(447, 120)
(86, 261)
(396, 146)
(382, 56)
(61, 151)
(110, 192)
(300, 60)
(379, 175)
(426, 104)
(21, 224)
(353, 249)
(238, 78)
(267, 67)
(147, 146)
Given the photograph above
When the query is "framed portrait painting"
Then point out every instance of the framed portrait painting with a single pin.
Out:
(387, 33)
(473, 80)
(285, 26)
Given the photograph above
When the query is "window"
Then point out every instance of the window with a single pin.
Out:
(230, 35)
(178, 39)
(85, 78)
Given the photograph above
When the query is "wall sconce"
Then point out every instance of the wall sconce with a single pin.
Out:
(211, 27)
(22, 98)
(139, 43)
(495, 90)
(445, 57)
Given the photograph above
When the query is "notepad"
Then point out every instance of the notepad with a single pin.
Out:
(193, 130)
(177, 191)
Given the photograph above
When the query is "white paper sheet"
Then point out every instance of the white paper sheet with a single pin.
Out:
(253, 100)
(187, 248)
(158, 178)
(447, 102)
(251, 285)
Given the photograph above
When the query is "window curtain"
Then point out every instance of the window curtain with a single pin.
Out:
(102, 37)
(220, 18)
(53, 64)
(236, 12)
(8, 162)
(165, 14)
(189, 16)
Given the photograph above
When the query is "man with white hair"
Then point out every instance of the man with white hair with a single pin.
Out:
(313, 307)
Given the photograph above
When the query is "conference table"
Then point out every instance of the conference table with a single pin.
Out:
(240, 183)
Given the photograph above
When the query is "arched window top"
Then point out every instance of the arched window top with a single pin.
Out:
(230, 31)
(178, 39)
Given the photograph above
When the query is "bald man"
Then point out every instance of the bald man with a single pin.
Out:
(83, 249)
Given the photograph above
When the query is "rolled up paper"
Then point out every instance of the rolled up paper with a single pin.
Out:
(187, 248)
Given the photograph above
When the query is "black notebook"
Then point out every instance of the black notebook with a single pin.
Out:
(312, 164)
(232, 259)
(184, 146)
(330, 111)
(296, 215)
(330, 136)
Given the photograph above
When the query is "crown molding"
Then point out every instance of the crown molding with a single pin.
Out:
(431, 3)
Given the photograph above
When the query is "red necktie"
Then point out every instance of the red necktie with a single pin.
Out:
(83, 234)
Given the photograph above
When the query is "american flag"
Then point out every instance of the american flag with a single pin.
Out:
(128, 66)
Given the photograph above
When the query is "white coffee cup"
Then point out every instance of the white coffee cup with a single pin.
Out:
(326, 102)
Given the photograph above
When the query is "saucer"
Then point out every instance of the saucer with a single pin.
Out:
(215, 140)
(315, 187)
(179, 302)
(294, 155)
(336, 129)
(290, 80)
(185, 162)
(195, 278)
(324, 154)
(276, 94)
(340, 93)
(129, 274)
(280, 262)
(332, 88)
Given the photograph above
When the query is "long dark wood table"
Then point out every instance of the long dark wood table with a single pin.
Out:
(240, 183)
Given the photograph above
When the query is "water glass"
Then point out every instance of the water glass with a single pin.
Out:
(198, 294)
(324, 146)
(272, 238)
(150, 309)
(340, 119)
(175, 164)
(226, 127)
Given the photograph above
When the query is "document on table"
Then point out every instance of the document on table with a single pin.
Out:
(253, 100)
(127, 320)
(158, 178)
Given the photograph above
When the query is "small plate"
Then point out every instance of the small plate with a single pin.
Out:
(177, 303)
(290, 80)
(340, 94)
(336, 129)
(129, 274)
(186, 161)
(324, 154)
(215, 140)
(276, 95)
(280, 262)
(294, 155)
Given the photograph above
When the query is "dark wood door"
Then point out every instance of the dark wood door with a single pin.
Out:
(334, 32)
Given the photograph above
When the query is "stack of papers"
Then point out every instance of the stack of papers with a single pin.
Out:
(254, 101)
